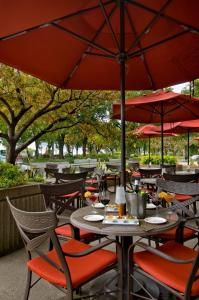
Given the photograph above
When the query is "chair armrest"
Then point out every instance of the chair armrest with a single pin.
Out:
(159, 253)
(92, 249)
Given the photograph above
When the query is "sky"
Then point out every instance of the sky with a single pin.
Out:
(177, 88)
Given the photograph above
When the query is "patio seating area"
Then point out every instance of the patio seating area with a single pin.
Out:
(118, 218)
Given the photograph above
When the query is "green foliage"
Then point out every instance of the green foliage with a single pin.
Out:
(36, 178)
(156, 159)
(11, 175)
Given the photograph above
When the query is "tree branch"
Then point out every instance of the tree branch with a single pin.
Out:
(4, 101)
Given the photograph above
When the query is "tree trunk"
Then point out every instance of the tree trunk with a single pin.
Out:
(61, 145)
(84, 146)
(11, 154)
(37, 144)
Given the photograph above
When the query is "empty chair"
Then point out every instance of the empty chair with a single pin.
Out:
(148, 178)
(64, 198)
(112, 179)
(61, 177)
(51, 169)
(173, 266)
(70, 264)
(183, 209)
(182, 178)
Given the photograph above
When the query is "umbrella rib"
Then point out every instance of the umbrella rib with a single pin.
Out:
(149, 26)
(185, 107)
(154, 11)
(139, 53)
(109, 24)
(83, 39)
(140, 46)
(87, 50)
(42, 25)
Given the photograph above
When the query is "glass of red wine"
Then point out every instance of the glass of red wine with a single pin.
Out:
(104, 197)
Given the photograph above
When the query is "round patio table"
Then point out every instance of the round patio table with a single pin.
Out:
(125, 232)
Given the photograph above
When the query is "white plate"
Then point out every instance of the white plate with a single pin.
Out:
(155, 220)
(150, 206)
(98, 205)
(93, 218)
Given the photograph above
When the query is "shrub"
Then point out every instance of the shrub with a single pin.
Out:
(156, 159)
(11, 175)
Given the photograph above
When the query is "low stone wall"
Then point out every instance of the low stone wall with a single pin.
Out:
(27, 197)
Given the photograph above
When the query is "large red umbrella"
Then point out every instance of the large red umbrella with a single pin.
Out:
(159, 107)
(148, 131)
(103, 44)
(181, 128)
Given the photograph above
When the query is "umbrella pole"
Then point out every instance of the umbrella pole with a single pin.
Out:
(162, 140)
(149, 149)
(122, 60)
(188, 147)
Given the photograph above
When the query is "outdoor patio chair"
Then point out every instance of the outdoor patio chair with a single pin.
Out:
(51, 169)
(151, 174)
(69, 265)
(173, 266)
(183, 208)
(182, 178)
(65, 198)
(112, 179)
(61, 177)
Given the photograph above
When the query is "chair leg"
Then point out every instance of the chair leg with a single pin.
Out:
(28, 285)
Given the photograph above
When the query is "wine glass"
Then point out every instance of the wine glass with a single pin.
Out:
(104, 197)
(156, 201)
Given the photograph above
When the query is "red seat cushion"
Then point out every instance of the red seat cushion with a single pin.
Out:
(180, 197)
(136, 174)
(66, 230)
(171, 274)
(72, 195)
(81, 269)
(91, 188)
(91, 181)
(171, 234)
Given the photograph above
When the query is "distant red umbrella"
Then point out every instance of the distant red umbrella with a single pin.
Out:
(148, 131)
(181, 128)
(159, 107)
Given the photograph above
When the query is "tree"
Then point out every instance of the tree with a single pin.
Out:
(31, 108)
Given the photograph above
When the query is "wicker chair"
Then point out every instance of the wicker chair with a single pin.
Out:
(67, 266)
(181, 177)
(51, 169)
(179, 233)
(172, 266)
(64, 198)
(114, 178)
(61, 177)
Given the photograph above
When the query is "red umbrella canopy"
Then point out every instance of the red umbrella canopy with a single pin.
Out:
(147, 131)
(78, 44)
(150, 108)
(181, 127)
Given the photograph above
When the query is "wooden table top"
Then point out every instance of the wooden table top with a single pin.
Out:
(144, 229)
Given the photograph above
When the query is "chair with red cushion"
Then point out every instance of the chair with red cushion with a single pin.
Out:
(184, 208)
(173, 266)
(70, 264)
(182, 178)
(61, 198)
